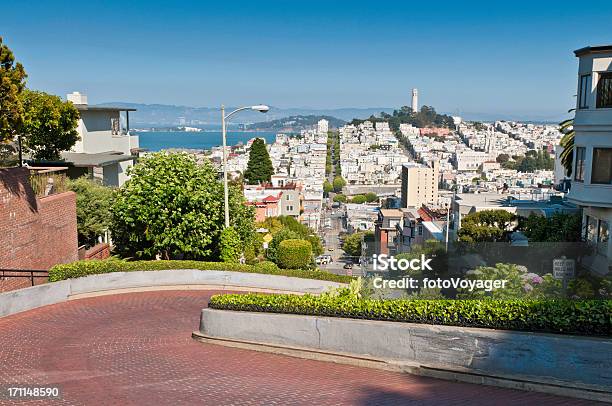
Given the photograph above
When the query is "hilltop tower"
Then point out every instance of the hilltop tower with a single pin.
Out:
(415, 100)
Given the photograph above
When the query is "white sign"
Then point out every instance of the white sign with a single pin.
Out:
(564, 268)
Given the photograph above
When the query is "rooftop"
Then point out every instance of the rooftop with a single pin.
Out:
(99, 159)
(597, 49)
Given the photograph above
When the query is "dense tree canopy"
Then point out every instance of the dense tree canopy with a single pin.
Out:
(352, 243)
(532, 161)
(12, 83)
(93, 202)
(338, 184)
(173, 207)
(559, 227)
(486, 225)
(49, 125)
(259, 168)
(426, 117)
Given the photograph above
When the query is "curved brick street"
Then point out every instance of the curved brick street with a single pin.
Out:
(137, 348)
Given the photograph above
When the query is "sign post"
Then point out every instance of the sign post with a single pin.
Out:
(564, 269)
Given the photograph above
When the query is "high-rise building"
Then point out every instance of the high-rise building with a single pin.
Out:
(415, 100)
(419, 185)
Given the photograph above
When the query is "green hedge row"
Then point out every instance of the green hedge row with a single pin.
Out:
(294, 254)
(94, 267)
(586, 317)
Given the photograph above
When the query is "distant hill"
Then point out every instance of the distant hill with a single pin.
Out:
(160, 115)
(295, 123)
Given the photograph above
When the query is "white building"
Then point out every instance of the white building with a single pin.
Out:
(106, 148)
(415, 100)
(322, 126)
(592, 172)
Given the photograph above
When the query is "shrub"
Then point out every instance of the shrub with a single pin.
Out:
(94, 267)
(229, 245)
(585, 317)
(267, 267)
(282, 235)
(294, 254)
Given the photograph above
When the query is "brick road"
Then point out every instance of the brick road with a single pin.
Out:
(136, 348)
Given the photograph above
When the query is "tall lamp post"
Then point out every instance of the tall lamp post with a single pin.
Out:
(259, 107)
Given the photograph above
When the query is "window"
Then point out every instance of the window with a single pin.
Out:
(603, 235)
(584, 91)
(604, 90)
(601, 171)
(591, 231)
(579, 172)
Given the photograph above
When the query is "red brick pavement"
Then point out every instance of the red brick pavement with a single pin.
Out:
(136, 348)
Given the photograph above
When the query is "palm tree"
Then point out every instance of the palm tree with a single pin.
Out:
(567, 142)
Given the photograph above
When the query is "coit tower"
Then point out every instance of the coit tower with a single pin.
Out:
(415, 100)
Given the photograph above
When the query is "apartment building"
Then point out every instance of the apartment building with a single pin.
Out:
(106, 148)
(592, 173)
(385, 230)
(419, 185)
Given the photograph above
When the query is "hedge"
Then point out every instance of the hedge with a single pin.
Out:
(585, 317)
(294, 253)
(94, 267)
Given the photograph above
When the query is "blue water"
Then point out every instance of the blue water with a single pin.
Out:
(158, 140)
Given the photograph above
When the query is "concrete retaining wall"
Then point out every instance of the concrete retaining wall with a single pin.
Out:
(579, 362)
(55, 292)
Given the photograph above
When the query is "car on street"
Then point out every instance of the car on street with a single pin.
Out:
(330, 249)
(348, 266)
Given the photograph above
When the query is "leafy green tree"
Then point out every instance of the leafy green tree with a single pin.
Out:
(352, 244)
(294, 254)
(359, 199)
(282, 235)
(259, 168)
(49, 125)
(173, 207)
(230, 246)
(559, 227)
(567, 142)
(302, 231)
(371, 197)
(327, 187)
(340, 198)
(12, 84)
(338, 184)
(93, 201)
(486, 225)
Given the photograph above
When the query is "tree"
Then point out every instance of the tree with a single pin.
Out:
(352, 244)
(173, 207)
(282, 235)
(93, 201)
(49, 125)
(502, 158)
(559, 227)
(567, 142)
(371, 197)
(486, 225)
(294, 254)
(338, 184)
(327, 187)
(259, 168)
(12, 83)
(230, 247)
(299, 230)
(359, 199)
(340, 198)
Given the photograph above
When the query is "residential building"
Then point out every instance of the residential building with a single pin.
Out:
(385, 230)
(106, 148)
(419, 185)
(592, 173)
(322, 126)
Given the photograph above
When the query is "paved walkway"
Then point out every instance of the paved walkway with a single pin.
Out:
(136, 348)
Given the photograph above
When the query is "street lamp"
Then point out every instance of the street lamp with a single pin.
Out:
(262, 108)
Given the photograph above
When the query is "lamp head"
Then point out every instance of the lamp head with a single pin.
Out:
(262, 108)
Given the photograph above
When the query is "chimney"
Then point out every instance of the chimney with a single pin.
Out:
(77, 98)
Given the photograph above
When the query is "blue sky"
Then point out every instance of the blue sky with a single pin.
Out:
(488, 57)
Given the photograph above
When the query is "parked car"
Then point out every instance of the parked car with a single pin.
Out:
(323, 259)
(348, 266)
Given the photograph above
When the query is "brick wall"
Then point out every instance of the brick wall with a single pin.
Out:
(98, 251)
(35, 233)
